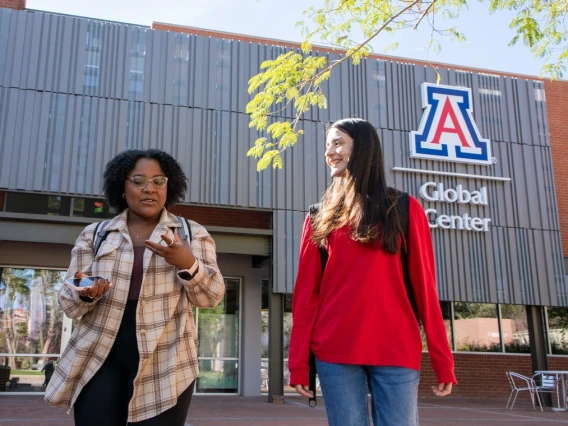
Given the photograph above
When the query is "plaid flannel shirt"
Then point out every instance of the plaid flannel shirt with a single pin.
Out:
(165, 328)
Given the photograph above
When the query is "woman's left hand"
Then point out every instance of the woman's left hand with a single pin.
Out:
(442, 389)
(176, 252)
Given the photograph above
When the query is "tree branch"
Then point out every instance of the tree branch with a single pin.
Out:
(348, 56)
(423, 14)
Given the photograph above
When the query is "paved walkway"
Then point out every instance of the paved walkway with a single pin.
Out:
(240, 411)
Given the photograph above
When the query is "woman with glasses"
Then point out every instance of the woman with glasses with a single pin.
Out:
(132, 357)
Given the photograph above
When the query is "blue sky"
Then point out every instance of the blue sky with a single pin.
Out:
(487, 35)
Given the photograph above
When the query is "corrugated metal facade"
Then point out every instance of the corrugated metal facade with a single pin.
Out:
(74, 92)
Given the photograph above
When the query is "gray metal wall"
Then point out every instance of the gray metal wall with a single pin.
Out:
(74, 92)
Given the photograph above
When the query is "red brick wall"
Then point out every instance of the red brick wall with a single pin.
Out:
(234, 218)
(13, 4)
(556, 105)
(483, 375)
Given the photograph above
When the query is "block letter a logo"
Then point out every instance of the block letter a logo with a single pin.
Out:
(447, 130)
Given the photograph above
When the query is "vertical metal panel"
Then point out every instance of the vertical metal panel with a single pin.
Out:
(25, 71)
(10, 103)
(5, 20)
(22, 134)
(67, 147)
(42, 127)
(64, 62)
(196, 129)
(286, 244)
(121, 61)
(201, 79)
(33, 53)
(33, 157)
(16, 50)
(73, 173)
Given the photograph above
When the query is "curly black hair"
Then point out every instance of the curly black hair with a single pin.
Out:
(117, 170)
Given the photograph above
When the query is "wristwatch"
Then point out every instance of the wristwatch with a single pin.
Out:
(187, 274)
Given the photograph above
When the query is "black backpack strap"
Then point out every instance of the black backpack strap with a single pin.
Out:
(312, 402)
(314, 209)
(403, 207)
(99, 236)
(185, 230)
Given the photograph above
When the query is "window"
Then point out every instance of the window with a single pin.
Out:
(181, 70)
(136, 81)
(264, 360)
(91, 207)
(476, 327)
(137, 63)
(264, 363)
(31, 325)
(93, 48)
(514, 328)
(51, 205)
(56, 205)
(558, 330)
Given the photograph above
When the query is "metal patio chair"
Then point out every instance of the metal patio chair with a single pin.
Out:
(520, 383)
(548, 382)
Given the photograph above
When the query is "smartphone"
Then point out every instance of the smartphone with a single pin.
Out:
(82, 282)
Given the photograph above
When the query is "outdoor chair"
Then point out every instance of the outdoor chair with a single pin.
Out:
(548, 382)
(520, 383)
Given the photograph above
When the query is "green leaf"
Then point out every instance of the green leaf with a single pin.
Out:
(391, 47)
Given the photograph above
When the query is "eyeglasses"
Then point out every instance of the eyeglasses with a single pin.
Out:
(141, 182)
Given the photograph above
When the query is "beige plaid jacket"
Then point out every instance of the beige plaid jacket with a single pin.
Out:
(164, 323)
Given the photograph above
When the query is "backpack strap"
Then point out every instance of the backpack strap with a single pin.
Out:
(99, 236)
(312, 402)
(185, 230)
(314, 209)
(403, 207)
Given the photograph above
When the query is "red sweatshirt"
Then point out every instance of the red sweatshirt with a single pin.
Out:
(358, 312)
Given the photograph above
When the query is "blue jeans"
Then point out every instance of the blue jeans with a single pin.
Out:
(394, 394)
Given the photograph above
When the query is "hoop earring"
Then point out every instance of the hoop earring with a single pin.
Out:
(124, 195)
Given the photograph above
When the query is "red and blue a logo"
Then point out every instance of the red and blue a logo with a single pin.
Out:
(447, 129)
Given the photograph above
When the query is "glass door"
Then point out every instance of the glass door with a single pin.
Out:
(218, 331)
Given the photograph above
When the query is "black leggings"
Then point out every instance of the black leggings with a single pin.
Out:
(104, 400)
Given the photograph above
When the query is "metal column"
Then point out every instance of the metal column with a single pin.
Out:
(275, 344)
(538, 343)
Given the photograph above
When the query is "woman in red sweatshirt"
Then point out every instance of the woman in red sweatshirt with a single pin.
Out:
(356, 315)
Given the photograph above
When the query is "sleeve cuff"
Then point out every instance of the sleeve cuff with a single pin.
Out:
(446, 377)
(299, 376)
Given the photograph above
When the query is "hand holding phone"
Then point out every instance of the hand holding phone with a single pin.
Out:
(90, 287)
(83, 281)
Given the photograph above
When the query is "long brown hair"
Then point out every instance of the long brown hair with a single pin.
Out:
(360, 198)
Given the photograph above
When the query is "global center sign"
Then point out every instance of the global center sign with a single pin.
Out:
(432, 191)
(448, 132)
